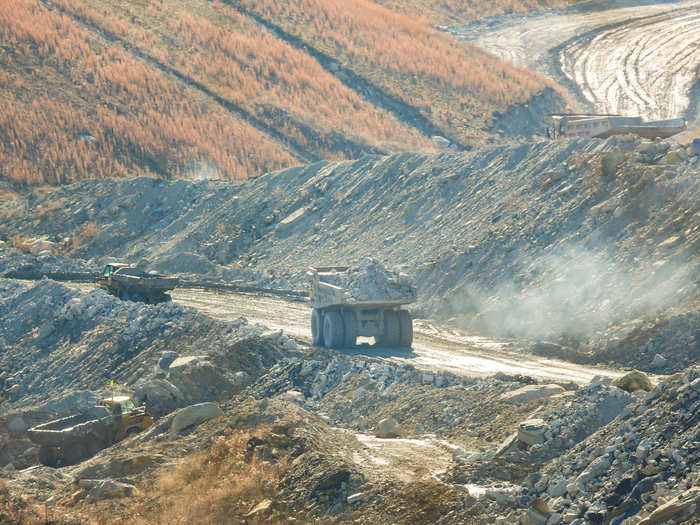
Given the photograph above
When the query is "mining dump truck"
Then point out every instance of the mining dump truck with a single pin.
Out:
(588, 125)
(72, 439)
(359, 302)
(133, 284)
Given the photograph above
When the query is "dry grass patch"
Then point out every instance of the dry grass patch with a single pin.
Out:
(93, 110)
(456, 11)
(454, 85)
(217, 485)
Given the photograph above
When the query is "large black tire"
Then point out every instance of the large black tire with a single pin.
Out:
(350, 326)
(317, 327)
(75, 453)
(333, 330)
(48, 456)
(406, 328)
(392, 330)
(93, 447)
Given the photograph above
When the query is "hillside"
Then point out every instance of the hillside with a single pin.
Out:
(231, 90)
(456, 11)
(599, 238)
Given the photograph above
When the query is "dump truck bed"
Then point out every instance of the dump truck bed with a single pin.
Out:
(324, 294)
(152, 283)
(57, 432)
(330, 295)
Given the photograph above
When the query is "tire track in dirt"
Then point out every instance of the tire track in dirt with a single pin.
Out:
(632, 58)
(650, 71)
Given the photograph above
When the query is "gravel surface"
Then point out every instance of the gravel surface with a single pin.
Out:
(650, 71)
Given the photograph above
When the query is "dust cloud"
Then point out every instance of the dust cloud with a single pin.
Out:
(574, 292)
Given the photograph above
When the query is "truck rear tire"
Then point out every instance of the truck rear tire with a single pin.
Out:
(392, 329)
(74, 453)
(333, 330)
(350, 325)
(93, 447)
(317, 327)
(48, 456)
(406, 328)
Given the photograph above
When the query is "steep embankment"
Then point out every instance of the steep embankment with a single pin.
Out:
(547, 240)
(231, 90)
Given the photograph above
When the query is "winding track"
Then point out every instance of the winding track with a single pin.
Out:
(634, 60)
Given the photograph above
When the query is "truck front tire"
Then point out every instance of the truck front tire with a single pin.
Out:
(333, 330)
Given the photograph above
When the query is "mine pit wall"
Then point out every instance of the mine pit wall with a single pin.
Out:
(588, 230)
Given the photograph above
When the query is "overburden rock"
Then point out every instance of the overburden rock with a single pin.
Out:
(387, 428)
(198, 379)
(530, 393)
(194, 415)
(159, 395)
(633, 381)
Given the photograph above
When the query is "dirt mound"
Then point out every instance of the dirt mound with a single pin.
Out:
(57, 339)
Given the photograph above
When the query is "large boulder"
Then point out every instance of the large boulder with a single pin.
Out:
(680, 508)
(532, 431)
(531, 392)
(633, 381)
(194, 415)
(100, 489)
(387, 428)
(159, 395)
(611, 161)
(292, 219)
(198, 379)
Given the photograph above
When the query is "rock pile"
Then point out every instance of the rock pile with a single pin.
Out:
(370, 281)
(645, 463)
(57, 339)
(19, 265)
(553, 430)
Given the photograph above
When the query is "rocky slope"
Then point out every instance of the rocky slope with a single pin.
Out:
(61, 349)
(589, 244)
(351, 439)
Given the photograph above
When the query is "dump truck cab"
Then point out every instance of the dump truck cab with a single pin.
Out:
(106, 281)
(128, 418)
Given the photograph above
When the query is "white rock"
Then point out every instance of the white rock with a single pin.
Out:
(659, 361)
(530, 393)
(355, 498)
(531, 432)
(387, 428)
(194, 415)
(291, 345)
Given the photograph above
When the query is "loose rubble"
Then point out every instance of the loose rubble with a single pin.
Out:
(489, 236)
(370, 281)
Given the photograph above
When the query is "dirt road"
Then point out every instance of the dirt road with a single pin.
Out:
(435, 347)
(616, 57)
